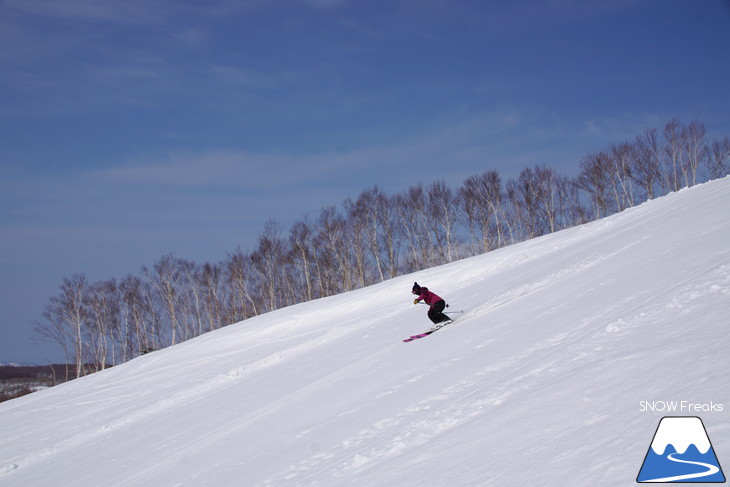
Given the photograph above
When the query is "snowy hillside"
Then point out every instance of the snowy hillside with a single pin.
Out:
(544, 379)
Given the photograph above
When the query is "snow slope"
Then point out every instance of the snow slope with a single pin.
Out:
(542, 381)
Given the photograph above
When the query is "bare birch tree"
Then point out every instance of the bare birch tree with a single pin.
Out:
(482, 206)
(595, 179)
(695, 150)
(645, 170)
(165, 277)
(334, 255)
(673, 148)
(620, 169)
(66, 316)
(411, 207)
(718, 159)
(268, 260)
(302, 254)
(103, 304)
(442, 207)
(242, 301)
(374, 213)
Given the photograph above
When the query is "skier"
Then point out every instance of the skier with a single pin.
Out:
(436, 304)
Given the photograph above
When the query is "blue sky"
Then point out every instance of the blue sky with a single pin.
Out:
(132, 129)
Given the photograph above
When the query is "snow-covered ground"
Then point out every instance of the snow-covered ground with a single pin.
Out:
(550, 377)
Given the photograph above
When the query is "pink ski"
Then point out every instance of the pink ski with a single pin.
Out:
(426, 333)
(420, 335)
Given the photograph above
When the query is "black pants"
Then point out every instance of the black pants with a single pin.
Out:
(436, 312)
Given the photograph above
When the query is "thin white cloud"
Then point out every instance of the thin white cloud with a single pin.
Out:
(93, 10)
(229, 170)
(194, 38)
(243, 76)
(324, 4)
(510, 138)
(183, 169)
(538, 15)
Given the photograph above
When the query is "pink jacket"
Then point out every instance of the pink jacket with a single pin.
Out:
(428, 297)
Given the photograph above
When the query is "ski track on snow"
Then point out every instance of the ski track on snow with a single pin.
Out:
(458, 404)
(184, 396)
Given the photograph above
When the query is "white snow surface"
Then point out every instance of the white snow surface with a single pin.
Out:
(538, 383)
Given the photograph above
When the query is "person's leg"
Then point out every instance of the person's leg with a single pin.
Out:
(436, 312)
(433, 314)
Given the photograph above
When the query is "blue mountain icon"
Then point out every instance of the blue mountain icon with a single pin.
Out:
(681, 452)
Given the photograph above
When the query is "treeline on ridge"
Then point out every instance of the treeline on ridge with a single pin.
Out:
(365, 240)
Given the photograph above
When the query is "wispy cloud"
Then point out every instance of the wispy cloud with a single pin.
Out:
(81, 64)
(511, 137)
(248, 77)
(324, 4)
(92, 10)
(189, 170)
(523, 16)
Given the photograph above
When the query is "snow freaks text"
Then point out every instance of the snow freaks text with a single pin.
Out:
(680, 407)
